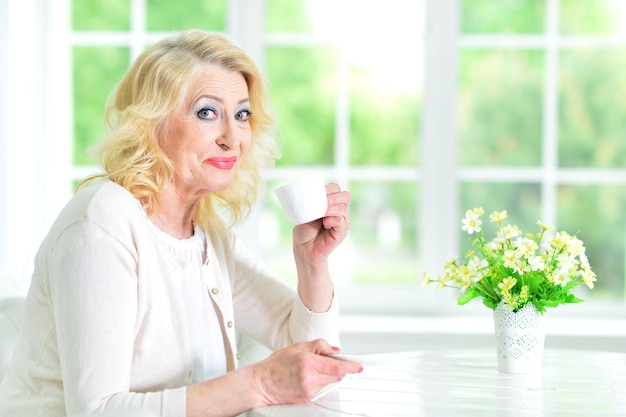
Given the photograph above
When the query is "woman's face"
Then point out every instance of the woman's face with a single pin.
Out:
(209, 132)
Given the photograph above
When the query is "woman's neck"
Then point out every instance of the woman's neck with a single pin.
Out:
(175, 217)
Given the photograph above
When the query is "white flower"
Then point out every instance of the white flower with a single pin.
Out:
(575, 246)
(566, 261)
(520, 266)
(536, 263)
(526, 246)
(561, 276)
(559, 240)
(476, 264)
(510, 232)
(471, 222)
(497, 244)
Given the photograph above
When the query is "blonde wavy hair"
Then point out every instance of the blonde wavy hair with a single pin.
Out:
(137, 113)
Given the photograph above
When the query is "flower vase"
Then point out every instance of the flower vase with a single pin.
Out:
(520, 338)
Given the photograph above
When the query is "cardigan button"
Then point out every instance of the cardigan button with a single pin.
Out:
(229, 324)
(238, 356)
(215, 290)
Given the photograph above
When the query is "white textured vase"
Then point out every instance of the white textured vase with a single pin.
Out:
(520, 338)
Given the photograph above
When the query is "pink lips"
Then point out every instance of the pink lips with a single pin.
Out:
(222, 163)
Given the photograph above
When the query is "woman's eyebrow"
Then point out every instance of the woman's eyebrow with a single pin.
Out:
(220, 100)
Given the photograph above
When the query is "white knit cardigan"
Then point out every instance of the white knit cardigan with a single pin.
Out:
(104, 324)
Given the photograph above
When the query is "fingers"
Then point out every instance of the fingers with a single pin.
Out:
(337, 214)
(319, 347)
(294, 375)
(328, 364)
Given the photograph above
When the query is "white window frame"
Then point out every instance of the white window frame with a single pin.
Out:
(33, 197)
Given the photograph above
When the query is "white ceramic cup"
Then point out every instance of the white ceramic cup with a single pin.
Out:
(304, 200)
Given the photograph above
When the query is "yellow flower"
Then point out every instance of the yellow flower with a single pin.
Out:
(588, 277)
(559, 240)
(426, 280)
(441, 283)
(523, 295)
(510, 231)
(544, 226)
(464, 283)
(510, 258)
(479, 211)
(507, 284)
(497, 216)
(575, 246)
(545, 267)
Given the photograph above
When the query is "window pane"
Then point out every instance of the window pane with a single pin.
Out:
(521, 201)
(381, 245)
(592, 108)
(598, 211)
(384, 121)
(184, 14)
(303, 90)
(383, 232)
(500, 102)
(598, 17)
(100, 15)
(510, 16)
(96, 72)
(287, 16)
(274, 235)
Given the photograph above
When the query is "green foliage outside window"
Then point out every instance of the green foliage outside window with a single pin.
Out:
(592, 111)
(303, 88)
(165, 15)
(96, 15)
(500, 115)
(500, 108)
(287, 16)
(503, 16)
(384, 122)
(96, 71)
(596, 17)
(598, 212)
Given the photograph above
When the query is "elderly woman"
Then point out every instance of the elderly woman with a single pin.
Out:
(141, 281)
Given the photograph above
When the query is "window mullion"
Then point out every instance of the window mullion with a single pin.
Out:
(342, 119)
(137, 28)
(550, 115)
(439, 201)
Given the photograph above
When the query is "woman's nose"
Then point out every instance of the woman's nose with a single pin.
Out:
(227, 138)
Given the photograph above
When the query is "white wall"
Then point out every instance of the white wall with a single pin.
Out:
(34, 157)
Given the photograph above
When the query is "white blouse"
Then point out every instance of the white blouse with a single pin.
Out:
(205, 334)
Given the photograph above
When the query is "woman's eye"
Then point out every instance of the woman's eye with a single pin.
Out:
(243, 115)
(207, 114)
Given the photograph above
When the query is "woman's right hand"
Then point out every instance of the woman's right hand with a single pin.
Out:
(294, 375)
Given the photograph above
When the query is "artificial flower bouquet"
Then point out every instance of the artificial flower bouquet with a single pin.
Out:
(518, 268)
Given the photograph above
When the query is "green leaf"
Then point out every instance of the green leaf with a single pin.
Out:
(469, 295)
(490, 303)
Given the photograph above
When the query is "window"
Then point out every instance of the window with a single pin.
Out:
(421, 108)
(348, 94)
(541, 125)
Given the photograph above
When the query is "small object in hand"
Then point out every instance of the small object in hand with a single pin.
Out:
(304, 200)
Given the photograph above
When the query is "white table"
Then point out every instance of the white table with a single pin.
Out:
(467, 383)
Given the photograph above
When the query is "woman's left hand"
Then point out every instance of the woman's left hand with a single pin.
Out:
(315, 240)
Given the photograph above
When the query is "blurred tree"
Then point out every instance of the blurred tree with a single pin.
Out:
(96, 71)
